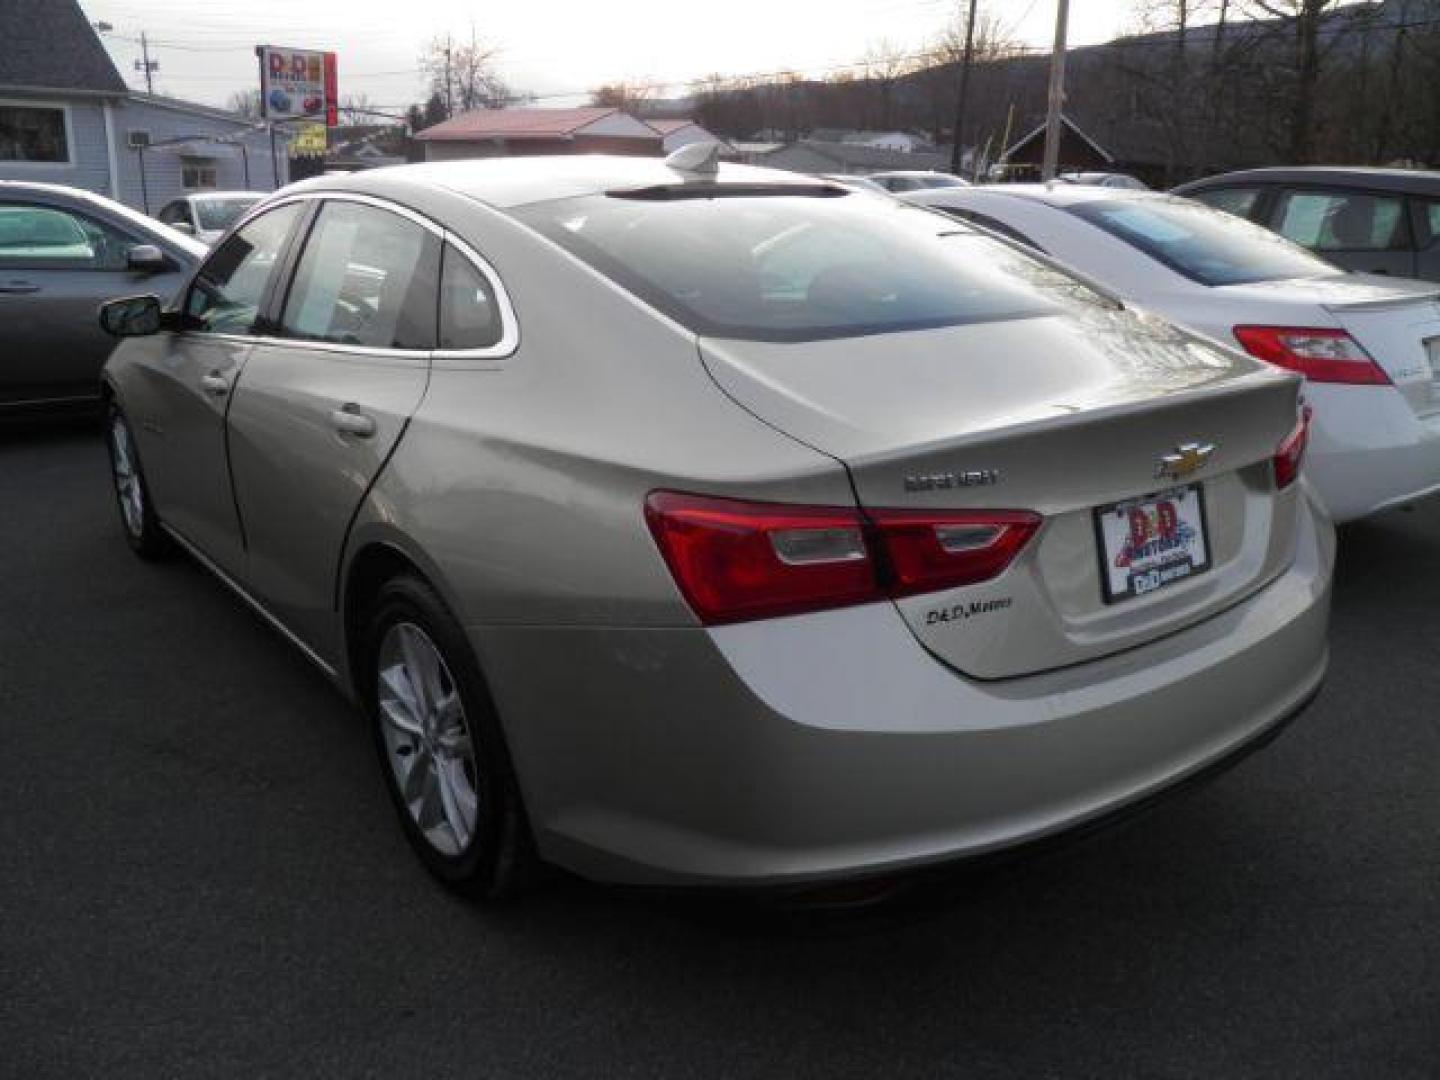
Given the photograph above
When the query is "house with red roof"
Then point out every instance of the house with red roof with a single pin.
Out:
(514, 132)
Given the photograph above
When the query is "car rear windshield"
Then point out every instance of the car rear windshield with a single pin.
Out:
(1206, 245)
(797, 267)
(220, 214)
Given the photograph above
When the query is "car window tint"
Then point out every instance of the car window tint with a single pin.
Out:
(1427, 222)
(1341, 221)
(367, 277)
(469, 314)
(1237, 201)
(48, 238)
(798, 268)
(1205, 245)
(230, 286)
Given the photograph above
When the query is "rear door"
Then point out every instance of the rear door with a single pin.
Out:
(57, 266)
(321, 404)
(1365, 232)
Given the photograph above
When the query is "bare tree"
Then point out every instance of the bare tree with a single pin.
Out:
(464, 74)
(628, 97)
(357, 109)
(1301, 21)
(244, 103)
(883, 65)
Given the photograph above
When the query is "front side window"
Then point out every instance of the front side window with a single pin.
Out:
(1238, 201)
(1341, 220)
(36, 237)
(368, 278)
(1205, 245)
(230, 287)
(793, 267)
(30, 133)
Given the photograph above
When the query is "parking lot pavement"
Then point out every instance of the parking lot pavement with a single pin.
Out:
(202, 877)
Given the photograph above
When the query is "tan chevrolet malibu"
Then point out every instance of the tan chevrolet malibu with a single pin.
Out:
(684, 524)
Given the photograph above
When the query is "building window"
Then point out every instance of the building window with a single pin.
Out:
(197, 173)
(30, 133)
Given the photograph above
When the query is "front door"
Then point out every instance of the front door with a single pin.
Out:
(190, 389)
(56, 267)
(316, 415)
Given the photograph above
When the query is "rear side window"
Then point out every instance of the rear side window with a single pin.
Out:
(790, 267)
(368, 278)
(1342, 220)
(469, 314)
(1205, 245)
(1427, 222)
(231, 285)
(1236, 200)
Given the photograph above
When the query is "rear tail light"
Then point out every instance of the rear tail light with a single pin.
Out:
(736, 560)
(1321, 355)
(1291, 454)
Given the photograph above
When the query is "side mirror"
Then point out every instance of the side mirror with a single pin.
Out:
(182, 226)
(147, 258)
(131, 316)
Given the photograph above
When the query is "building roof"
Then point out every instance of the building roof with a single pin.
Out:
(515, 124)
(161, 101)
(50, 45)
(1039, 132)
(669, 127)
(861, 156)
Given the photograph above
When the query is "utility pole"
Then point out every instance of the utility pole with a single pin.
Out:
(148, 66)
(956, 163)
(1057, 92)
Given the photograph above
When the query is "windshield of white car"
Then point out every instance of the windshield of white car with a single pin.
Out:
(788, 268)
(1205, 245)
(217, 215)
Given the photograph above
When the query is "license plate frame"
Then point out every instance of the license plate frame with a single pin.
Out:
(1170, 563)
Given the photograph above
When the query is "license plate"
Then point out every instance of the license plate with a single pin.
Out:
(1149, 543)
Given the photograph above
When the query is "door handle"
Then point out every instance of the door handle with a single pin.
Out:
(349, 419)
(19, 287)
(215, 383)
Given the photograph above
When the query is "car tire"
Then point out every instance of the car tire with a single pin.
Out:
(428, 704)
(138, 520)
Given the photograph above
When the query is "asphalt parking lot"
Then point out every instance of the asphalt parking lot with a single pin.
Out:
(202, 876)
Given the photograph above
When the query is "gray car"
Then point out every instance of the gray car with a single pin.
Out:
(723, 528)
(63, 252)
(206, 215)
(1372, 221)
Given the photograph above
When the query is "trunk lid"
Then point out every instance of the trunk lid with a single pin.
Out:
(1058, 415)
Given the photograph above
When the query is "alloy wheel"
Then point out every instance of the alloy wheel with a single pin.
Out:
(427, 739)
(127, 477)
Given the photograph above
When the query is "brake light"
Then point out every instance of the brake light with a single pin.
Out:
(1321, 355)
(929, 551)
(737, 560)
(1291, 454)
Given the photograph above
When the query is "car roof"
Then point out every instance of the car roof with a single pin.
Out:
(1058, 193)
(510, 182)
(1419, 180)
(223, 196)
(913, 172)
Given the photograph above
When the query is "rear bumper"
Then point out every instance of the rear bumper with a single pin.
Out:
(831, 745)
(1369, 451)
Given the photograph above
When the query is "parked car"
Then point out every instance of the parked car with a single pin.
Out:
(1369, 347)
(863, 183)
(63, 251)
(1104, 179)
(206, 216)
(915, 180)
(1378, 221)
(695, 527)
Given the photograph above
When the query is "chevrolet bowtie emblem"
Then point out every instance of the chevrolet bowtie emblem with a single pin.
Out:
(1186, 458)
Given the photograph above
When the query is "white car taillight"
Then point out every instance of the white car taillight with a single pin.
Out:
(1320, 354)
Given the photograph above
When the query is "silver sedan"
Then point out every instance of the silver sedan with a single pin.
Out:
(699, 527)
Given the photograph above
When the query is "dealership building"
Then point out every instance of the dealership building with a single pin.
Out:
(67, 117)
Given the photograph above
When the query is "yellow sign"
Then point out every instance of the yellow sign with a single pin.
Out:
(309, 141)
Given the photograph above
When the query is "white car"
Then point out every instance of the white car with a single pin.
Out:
(1368, 345)
(917, 180)
(206, 216)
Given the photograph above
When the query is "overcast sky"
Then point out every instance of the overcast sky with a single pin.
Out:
(551, 49)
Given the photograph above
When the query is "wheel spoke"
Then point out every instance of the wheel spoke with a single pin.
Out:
(396, 680)
(450, 801)
(423, 667)
(398, 715)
